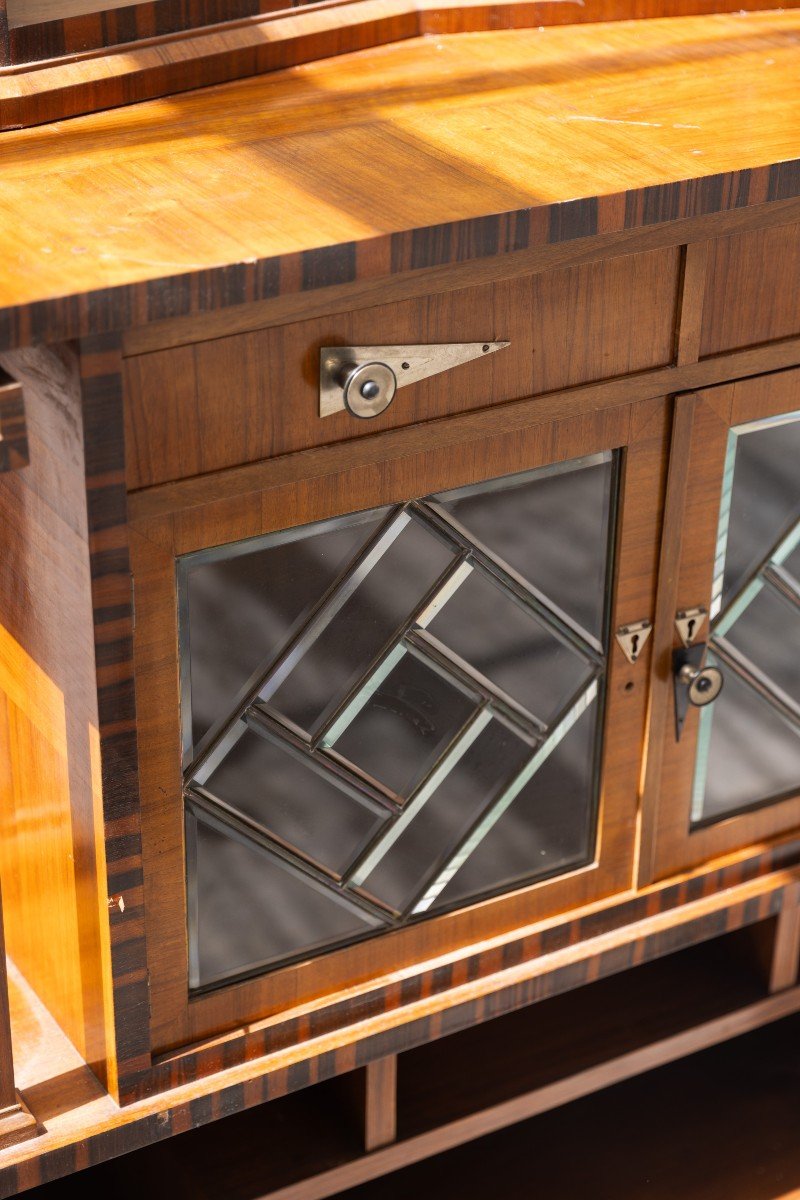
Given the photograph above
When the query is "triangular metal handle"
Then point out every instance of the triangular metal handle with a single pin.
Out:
(409, 364)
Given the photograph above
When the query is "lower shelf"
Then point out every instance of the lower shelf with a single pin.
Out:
(472, 1084)
(719, 1125)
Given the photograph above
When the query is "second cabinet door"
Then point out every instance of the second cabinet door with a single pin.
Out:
(731, 773)
(391, 717)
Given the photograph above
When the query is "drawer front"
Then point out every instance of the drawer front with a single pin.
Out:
(751, 289)
(238, 399)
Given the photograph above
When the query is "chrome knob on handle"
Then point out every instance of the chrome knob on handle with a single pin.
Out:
(368, 388)
(695, 683)
(704, 684)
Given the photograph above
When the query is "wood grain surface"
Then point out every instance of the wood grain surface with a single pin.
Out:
(258, 392)
(115, 754)
(16, 1122)
(424, 281)
(67, 722)
(83, 1126)
(676, 846)
(415, 155)
(386, 479)
(52, 862)
(752, 289)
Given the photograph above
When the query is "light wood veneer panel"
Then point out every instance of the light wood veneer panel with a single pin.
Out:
(324, 166)
(52, 855)
(752, 289)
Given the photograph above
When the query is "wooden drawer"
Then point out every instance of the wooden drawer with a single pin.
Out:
(752, 291)
(241, 398)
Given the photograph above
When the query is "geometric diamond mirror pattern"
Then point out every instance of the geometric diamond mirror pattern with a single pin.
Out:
(749, 739)
(411, 723)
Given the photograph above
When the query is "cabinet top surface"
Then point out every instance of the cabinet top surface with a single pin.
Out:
(344, 155)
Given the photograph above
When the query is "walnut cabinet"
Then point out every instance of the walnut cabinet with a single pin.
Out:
(398, 632)
(405, 687)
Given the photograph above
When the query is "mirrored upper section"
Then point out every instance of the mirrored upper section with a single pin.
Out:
(52, 29)
(34, 12)
(749, 739)
(369, 703)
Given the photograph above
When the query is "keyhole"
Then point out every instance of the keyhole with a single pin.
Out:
(634, 645)
(690, 628)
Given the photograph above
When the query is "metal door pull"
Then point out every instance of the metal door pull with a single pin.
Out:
(363, 380)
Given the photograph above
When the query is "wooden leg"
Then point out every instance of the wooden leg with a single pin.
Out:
(786, 952)
(16, 1122)
(370, 1095)
(380, 1107)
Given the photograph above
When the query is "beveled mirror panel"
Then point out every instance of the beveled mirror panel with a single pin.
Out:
(405, 718)
(749, 740)
(731, 779)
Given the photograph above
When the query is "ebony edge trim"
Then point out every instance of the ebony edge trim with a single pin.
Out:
(127, 306)
(236, 1097)
(112, 611)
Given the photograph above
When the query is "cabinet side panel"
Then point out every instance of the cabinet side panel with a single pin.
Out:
(52, 863)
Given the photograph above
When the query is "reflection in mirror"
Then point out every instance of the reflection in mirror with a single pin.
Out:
(749, 740)
(749, 749)
(35, 12)
(241, 607)
(413, 700)
(290, 797)
(760, 502)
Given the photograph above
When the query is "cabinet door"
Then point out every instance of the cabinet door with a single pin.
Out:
(382, 712)
(731, 776)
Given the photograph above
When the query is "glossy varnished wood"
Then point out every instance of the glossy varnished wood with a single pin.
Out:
(16, 1121)
(256, 395)
(581, 131)
(67, 724)
(115, 759)
(753, 289)
(485, 452)
(784, 967)
(218, 486)
(687, 569)
(53, 863)
(423, 281)
(539, 160)
(84, 1126)
(718, 1126)
(476, 1080)
(692, 300)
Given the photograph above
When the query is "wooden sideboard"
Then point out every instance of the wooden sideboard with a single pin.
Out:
(324, 737)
